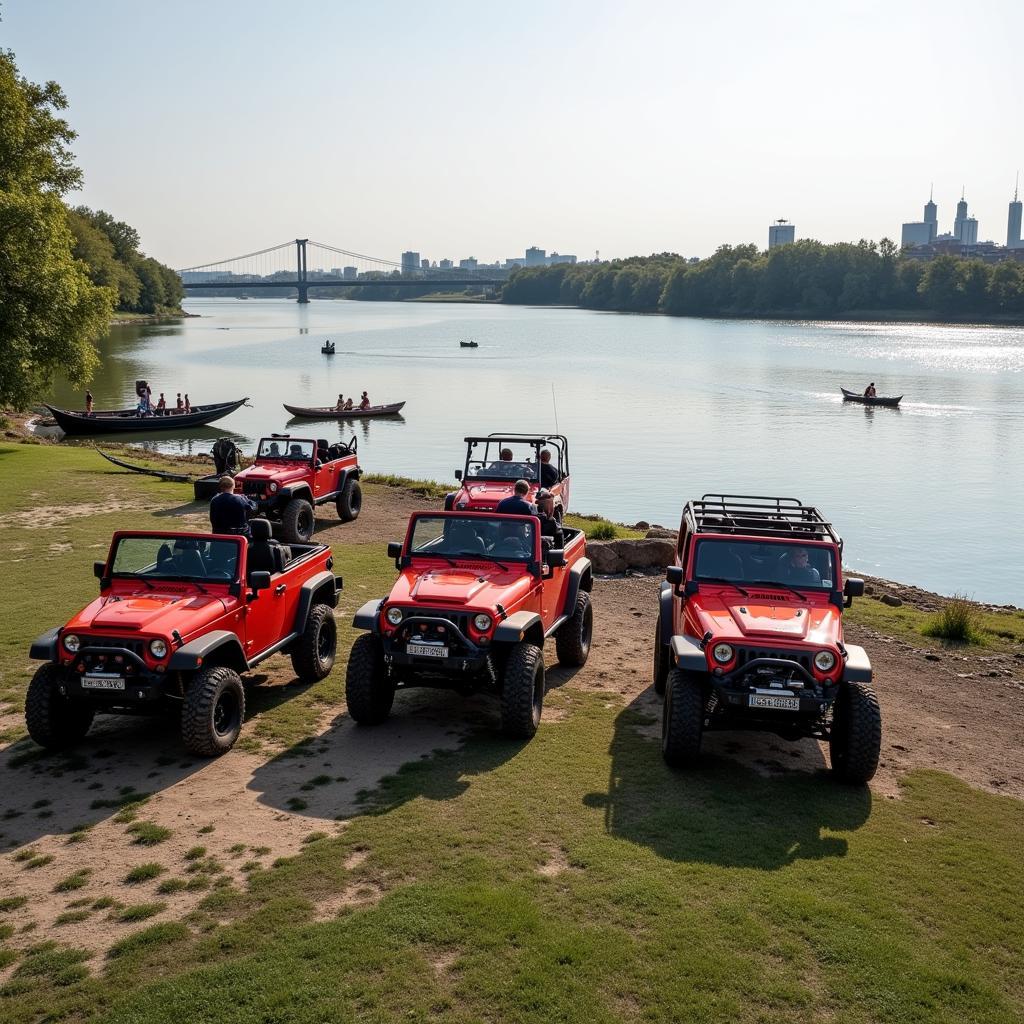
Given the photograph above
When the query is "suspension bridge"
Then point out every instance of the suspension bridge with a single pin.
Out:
(302, 265)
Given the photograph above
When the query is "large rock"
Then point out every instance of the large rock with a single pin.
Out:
(613, 556)
(660, 533)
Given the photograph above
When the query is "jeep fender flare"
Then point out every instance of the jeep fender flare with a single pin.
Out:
(368, 617)
(350, 473)
(321, 588)
(858, 665)
(665, 611)
(688, 655)
(196, 653)
(44, 648)
(449, 501)
(521, 626)
(581, 577)
(296, 491)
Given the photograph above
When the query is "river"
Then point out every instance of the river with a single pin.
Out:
(657, 410)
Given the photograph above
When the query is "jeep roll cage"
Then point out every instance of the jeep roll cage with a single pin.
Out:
(559, 444)
(759, 516)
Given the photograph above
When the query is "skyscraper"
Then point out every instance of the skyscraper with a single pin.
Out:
(410, 262)
(781, 233)
(960, 225)
(1013, 239)
(931, 216)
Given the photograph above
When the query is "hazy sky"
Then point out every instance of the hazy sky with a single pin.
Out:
(479, 128)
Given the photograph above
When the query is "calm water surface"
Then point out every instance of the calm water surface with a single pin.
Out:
(657, 410)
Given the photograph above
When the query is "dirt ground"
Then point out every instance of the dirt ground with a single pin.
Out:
(936, 714)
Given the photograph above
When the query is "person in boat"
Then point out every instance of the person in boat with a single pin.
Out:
(516, 504)
(229, 512)
(348, 404)
(161, 405)
(869, 391)
(143, 408)
(188, 404)
(180, 404)
(88, 403)
(549, 525)
(341, 404)
(364, 402)
(548, 473)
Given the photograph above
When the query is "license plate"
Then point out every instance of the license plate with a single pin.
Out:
(103, 682)
(427, 650)
(760, 700)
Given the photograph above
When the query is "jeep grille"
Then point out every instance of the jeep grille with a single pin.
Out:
(458, 619)
(744, 655)
(134, 645)
(253, 487)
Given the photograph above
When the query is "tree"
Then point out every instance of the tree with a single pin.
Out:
(50, 311)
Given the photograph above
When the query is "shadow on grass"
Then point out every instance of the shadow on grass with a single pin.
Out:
(764, 814)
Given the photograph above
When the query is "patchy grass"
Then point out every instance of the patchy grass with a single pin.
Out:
(72, 917)
(195, 853)
(149, 833)
(957, 621)
(171, 885)
(599, 528)
(144, 873)
(9, 903)
(74, 881)
(432, 489)
(139, 911)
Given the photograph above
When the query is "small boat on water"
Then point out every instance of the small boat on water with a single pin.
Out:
(331, 413)
(469, 344)
(328, 349)
(117, 421)
(852, 396)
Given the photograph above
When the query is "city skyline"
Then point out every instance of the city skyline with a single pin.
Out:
(578, 123)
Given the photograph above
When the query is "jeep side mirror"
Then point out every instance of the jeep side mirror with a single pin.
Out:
(854, 587)
(458, 474)
(555, 558)
(692, 587)
(259, 580)
(674, 574)
(394, 549)
(98, 569)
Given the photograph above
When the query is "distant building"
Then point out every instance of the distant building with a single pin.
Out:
(535, 257)
(468, 264)
(410, 262)
(557, 257)
(445, 264)
(917, 233)
(424, 264)
(1013, 239)
(515, 261)
(350, 273)
(965, 228)
(781, 233)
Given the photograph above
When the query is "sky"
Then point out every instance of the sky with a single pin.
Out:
(458, 129)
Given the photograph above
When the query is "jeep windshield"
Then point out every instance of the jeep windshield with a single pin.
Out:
(754, 563)
(176, 558)
(503, 460)
(474, 537)
(284, 448)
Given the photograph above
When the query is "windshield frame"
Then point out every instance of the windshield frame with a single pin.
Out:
(834, 584)
(492, 454)
(481, 518)
(162, 538)
(285, 442)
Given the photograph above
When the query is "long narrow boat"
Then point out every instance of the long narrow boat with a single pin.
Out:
(326, 413)
(146, 471)
(118, 421)
(851, 396)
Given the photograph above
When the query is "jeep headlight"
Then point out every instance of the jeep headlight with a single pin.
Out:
(272, 487)
(72, 643)
(482, 622)
(394, 616)
(158, 648)
(824, 661)
(722, 653)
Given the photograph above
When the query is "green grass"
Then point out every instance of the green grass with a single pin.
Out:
(195, 853)
(73, 881)
(149, 833)
(957, 621)
(144, 873)
(171, 885)
(72, 917)
(9, 903)
(433, 489)
(599, 528)
(139, 911)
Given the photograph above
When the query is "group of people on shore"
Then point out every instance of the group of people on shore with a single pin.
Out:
(345, 404)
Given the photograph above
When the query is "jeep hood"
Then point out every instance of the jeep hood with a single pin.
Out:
(763, 621)
(264, 474)
(474, 585)
(486, 495)
(155, 612)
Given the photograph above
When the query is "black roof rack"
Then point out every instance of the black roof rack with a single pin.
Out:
(759, 515)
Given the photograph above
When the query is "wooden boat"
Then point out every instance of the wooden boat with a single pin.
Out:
(180, 478)
(852, 396)
(325, 413)
(327, 350)
(469, 344)
(118, 421)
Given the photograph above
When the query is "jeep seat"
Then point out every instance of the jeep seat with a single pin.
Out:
(265, 553)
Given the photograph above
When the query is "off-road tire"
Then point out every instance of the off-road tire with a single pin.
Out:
(213, 712)
(54, 721)
(522, 691)
(682, 719)
(662, 661)
(572, 641)
(369, 692)
(298, 520)
(350, 501)
(856, 739)
(314, 651)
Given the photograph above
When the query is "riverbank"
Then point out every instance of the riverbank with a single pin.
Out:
(122, 318)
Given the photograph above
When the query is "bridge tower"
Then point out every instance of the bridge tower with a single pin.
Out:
(300, 256)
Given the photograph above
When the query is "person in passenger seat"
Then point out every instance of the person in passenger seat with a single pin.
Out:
(796, 568)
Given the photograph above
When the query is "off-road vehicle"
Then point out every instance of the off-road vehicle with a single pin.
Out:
(476, 597)
(750, 633)
(179, 618)
(494, 463)
(291, 475)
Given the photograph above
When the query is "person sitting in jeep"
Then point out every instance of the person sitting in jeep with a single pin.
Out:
(549, 525)
(516, 504)
(796, 568)
(548, 473)
(229, 512)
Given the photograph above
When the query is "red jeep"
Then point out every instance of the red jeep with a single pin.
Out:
(292, 474)
(494, 463)
(750, 634)
(179, 617)
(477, 595)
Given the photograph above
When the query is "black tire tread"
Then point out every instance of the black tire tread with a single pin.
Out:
(368, 692)
(571, 646)
(53, 721)
(682, 719)
(290, 521)
(196, 713)
(306, 662)
(856, 741)
(517, 686)
(349, 509)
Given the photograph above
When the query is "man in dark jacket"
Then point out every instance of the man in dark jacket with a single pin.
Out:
(229, 512)
(548, 473)
(516, 504)
(549, 526)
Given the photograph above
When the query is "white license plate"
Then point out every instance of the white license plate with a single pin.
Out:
(103, 682)
(427, 650)
(760, 700)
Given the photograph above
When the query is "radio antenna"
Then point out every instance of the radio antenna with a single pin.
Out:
(554, 405)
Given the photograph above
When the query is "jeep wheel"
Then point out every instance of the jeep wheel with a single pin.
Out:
(368, 691)
(213, 712)
(856, 739)
(350, 501)
(662, 661)
(297, 521)
(313, 654)
(54, 721)
(682, 719)
(572, 641)
(522, 691)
